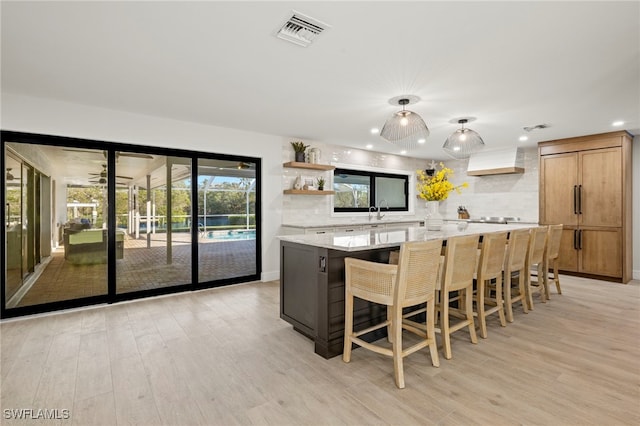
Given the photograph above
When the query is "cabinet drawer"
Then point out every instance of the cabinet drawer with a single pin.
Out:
(348, 228)
(318, 230)
(374, 226)
(403, 225)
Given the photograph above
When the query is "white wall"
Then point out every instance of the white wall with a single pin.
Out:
(513, 195)
(35, 115)
(317, 210)
(500, 195)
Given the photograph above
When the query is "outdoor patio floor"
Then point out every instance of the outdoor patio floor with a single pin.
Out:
(142, 268)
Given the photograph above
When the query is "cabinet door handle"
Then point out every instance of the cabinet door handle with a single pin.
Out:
(579, 199)
(575, 199)
(322, 265)
(575, 239)
(580, 239)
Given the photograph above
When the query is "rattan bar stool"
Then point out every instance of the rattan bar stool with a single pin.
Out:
(457, 276)
(490, 265)
(552, 254)
(412, 282)
(535, 265)
(514, 265)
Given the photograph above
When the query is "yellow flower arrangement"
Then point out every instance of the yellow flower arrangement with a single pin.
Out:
(437, 187)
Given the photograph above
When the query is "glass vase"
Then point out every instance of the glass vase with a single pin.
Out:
(433, 221)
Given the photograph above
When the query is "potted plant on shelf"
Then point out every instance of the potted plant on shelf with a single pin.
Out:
(299, 147)
(320, 182)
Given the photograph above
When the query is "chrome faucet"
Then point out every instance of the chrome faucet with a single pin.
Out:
(374, 209)
(380, 203)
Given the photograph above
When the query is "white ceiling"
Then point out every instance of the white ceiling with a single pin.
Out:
(572, 65)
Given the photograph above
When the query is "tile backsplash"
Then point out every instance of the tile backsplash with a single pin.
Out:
(499, 195)
(513, 195)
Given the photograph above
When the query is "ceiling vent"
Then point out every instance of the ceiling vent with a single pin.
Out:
(301, 29)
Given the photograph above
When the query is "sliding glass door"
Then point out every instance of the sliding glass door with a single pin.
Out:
(15, 234)
(226, 219)
(56, 236)
(92, 222)
(153, 211)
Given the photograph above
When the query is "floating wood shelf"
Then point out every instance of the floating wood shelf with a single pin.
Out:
(498, 171)
(308, 192)
(311, 166)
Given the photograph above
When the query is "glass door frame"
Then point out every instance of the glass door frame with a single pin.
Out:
(110, 148)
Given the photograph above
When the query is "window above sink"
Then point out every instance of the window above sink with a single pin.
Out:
(361, 190)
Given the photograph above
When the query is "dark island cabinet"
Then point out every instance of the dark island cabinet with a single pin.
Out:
(312, 294)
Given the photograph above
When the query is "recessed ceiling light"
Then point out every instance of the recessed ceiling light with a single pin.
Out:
(422, 140)
(523, 138)
(617, 123)
(369, 146)
(375, 130)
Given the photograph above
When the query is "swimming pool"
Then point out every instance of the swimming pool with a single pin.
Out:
(231, 235)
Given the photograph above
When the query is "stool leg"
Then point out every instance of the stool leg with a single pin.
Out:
(444, 323)
(469, 308)
(348, 327)
(507, 297)
(556, 278)
(390, 333)
(522, 284)
(500, 300)
(431, 333)
(545, 268)
(543, 281)
(482, 319)
(398, 368)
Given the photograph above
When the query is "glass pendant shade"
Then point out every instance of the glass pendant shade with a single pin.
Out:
(463, 142)
(405, 128)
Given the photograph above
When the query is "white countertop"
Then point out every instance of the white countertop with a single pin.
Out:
(347, 222)
(374, 239)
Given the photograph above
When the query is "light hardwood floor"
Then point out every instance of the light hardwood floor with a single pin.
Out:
(223, 357)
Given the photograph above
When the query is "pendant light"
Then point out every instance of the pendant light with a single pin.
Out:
(463, 142)
(405, 128)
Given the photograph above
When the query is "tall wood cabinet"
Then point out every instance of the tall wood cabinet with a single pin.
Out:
(585, 184)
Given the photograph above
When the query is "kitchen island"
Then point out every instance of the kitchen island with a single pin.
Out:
(312, 276)
(355, 224)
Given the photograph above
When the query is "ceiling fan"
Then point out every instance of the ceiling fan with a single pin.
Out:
(9, 176)
(118, 153)
(101, 178)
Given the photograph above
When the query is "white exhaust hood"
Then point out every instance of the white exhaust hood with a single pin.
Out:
(496, 162)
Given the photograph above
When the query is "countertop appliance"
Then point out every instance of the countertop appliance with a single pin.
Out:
(495, 219)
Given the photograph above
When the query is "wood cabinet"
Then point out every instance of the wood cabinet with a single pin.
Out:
(585, 184)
